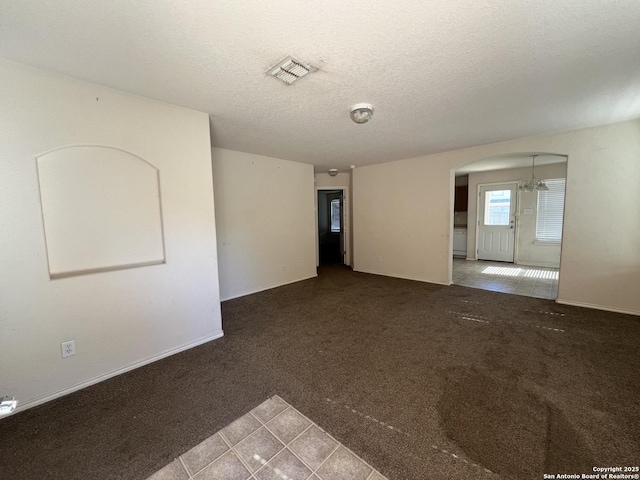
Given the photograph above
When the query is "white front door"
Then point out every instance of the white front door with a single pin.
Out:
(496, 221)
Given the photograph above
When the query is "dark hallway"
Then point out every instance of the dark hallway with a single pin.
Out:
(330, 227)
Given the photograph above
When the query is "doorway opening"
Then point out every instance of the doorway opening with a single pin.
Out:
(331, 223)
(506, 238)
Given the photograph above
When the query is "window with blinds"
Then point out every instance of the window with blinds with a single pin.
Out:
(550, 209)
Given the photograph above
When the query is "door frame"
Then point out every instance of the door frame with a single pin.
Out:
(515, 222)
(346, 220)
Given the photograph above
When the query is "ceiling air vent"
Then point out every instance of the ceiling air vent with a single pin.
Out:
(290, 69)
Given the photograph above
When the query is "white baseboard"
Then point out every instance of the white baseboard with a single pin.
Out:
(596, 307)
(251, 292)
(404, 277)
(47, 398)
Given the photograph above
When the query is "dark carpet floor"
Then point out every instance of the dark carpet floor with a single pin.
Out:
(421, 380)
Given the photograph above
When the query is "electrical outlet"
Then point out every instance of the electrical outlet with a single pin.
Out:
(379, 259)
(284, 267)
(68, 348)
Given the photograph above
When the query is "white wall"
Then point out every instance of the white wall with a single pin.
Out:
(326, 180)
(527, 251)
(119, 319)
(322, 206)
(265, 219)
(402, 219)
(410, 226)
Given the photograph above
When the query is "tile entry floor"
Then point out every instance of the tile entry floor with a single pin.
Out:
(272, 442)
(537, 282)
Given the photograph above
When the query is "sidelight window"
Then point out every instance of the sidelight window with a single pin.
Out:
(335, 216)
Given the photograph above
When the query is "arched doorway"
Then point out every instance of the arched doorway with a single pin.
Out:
(509, 238)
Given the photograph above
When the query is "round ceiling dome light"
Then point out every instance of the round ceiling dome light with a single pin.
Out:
(361, 112)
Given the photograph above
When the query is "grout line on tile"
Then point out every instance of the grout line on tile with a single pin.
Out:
(295, 454)
(241, 460)
(373, 470)
(229, 448)
(225, 440)
(265, 463)
(286, 445)
(255, 433)
(307, 418)
(252, 414)
(328, 456)
(314, 424)
(285, 410)
(270, 398)
(224, 437)
(311, 424)
(259, 459)
(281, 399)
(294, 439)
(184, 465)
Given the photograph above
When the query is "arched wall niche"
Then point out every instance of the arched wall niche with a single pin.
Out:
(101, 210)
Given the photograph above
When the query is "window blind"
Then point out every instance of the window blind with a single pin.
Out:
(550, 210)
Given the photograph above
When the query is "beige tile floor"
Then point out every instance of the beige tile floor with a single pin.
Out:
(272, 442)
(537, 282)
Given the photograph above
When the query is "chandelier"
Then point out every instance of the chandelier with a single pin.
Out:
(535, 184)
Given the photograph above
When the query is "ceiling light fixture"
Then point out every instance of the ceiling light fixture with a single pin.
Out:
(361, 112)
(535, 184)
(333, 172)
(290, 69)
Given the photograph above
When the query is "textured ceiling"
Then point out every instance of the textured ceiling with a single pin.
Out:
(442, 74)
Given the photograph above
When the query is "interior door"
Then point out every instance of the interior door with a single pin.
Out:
(496, 222)
(342, 249)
